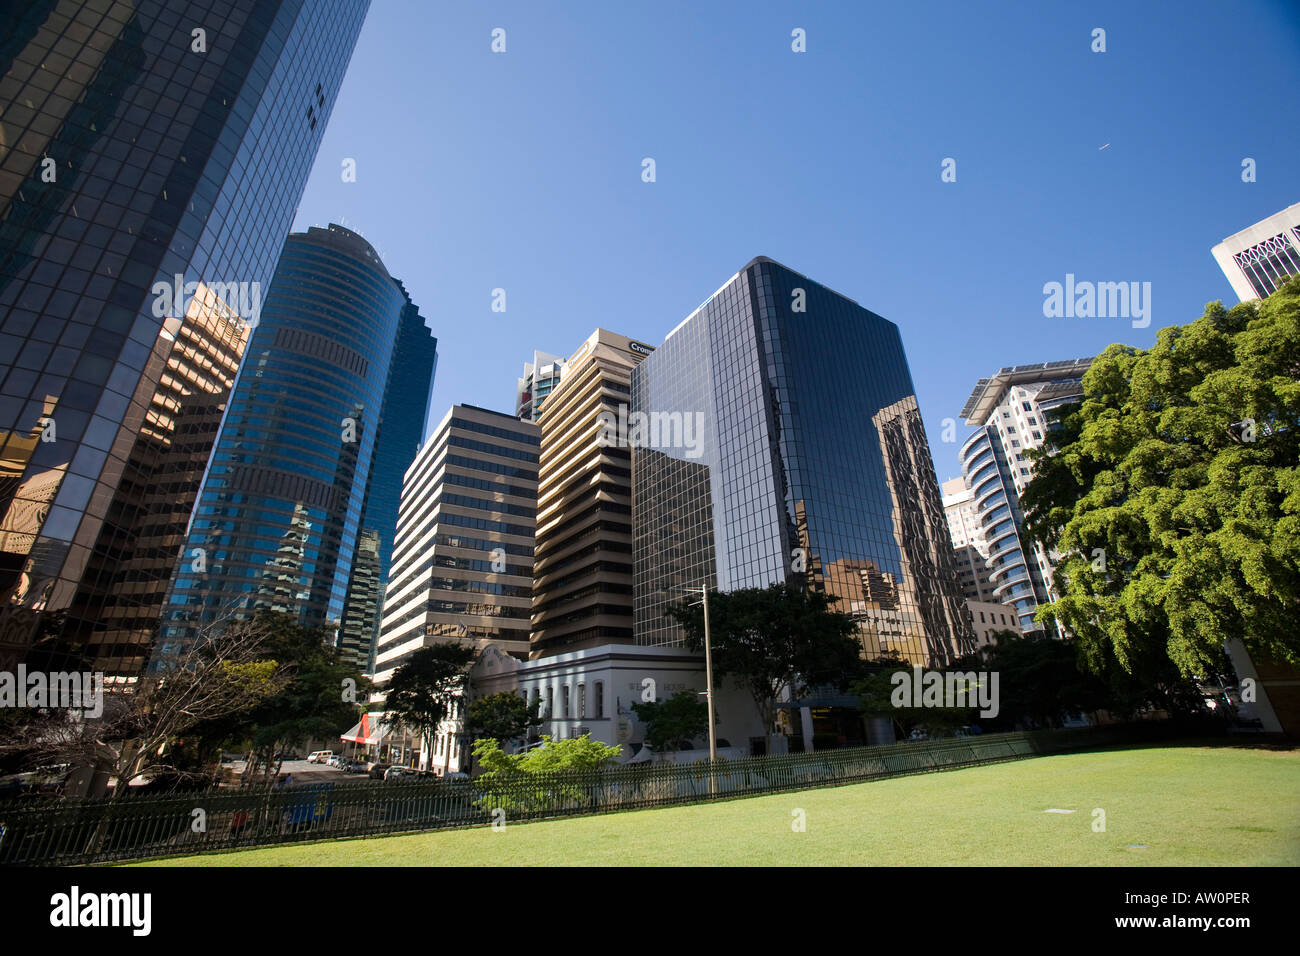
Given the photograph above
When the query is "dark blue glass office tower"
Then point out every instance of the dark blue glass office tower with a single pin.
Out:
(280, 512)
(811, 465)
(142, 141)
(402, 426)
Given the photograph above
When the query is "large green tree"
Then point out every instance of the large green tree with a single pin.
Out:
(671, 723)
(774, 639)
(420, 693)
(542, 778)
(876, 694)
(1173, 494)
(320, 697)
(503, 717)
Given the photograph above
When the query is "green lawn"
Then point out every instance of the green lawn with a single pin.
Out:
(1181, 806)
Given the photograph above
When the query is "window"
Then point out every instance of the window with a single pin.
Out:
(1037, 436)
(564, 701)
(1032, 420)
(582, 701)
(1026, 406)
(600, 699)
(549, 709)
(1015, 444)
(1006, 414)
(982, 617)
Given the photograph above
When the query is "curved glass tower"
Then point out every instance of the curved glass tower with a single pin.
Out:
(794, 451)
(278, 517)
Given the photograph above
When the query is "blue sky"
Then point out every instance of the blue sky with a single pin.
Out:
(522, 170)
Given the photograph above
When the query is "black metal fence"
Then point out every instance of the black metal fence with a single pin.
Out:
(44, 833)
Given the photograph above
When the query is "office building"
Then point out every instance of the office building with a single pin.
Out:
(403, 422)
(279, 515)
(1257, 259)
(145, 186)
(1009, 410)
(582, 571)
(970, 550)
(540, 377)
(782, 481)
(463, 559)
(361, 609)
(990, 618)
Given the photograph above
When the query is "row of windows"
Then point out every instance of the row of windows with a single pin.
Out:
(547, 708)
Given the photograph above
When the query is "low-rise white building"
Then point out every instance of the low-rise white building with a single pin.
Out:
(592, 691)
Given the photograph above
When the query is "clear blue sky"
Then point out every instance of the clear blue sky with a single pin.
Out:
(522, 170)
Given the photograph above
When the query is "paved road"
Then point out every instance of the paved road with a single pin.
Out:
(304, 772)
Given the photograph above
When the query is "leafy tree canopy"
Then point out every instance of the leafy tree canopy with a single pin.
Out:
(320, 697)
(503, 717)
(1172, 493)
(673, 722)
(774, 638)
(420, 692)
(535, 780)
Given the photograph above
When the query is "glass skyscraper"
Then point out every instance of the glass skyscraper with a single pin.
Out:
(280, 512)
(145, 147)
(790, 448)
(403, 423)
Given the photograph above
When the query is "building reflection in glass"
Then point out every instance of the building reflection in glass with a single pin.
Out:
(128, 160)
(814, 467)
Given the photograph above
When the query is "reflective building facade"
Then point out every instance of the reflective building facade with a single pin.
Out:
(812, 464)
(133, 152)
(403, 421)
(280, 511)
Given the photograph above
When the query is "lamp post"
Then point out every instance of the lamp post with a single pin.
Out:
(708, 681)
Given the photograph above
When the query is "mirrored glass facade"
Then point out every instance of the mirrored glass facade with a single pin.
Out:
(403, 423)
(131, 153)
(278, 517)
(813, 465)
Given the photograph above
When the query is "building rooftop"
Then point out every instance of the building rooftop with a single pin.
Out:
(988, 391)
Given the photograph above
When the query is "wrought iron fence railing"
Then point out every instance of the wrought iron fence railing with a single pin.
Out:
(72, 832)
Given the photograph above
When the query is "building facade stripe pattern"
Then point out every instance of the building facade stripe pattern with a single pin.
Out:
(582, 584)
(462, 563)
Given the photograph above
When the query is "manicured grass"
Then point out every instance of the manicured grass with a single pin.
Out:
(1170, 805)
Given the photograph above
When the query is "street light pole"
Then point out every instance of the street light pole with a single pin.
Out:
(708, 685)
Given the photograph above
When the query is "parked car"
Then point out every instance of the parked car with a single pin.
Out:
(377, 770)
(354, 766)
(400, 773)
(319, 756)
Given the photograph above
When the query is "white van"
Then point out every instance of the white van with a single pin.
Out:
(319, 756)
